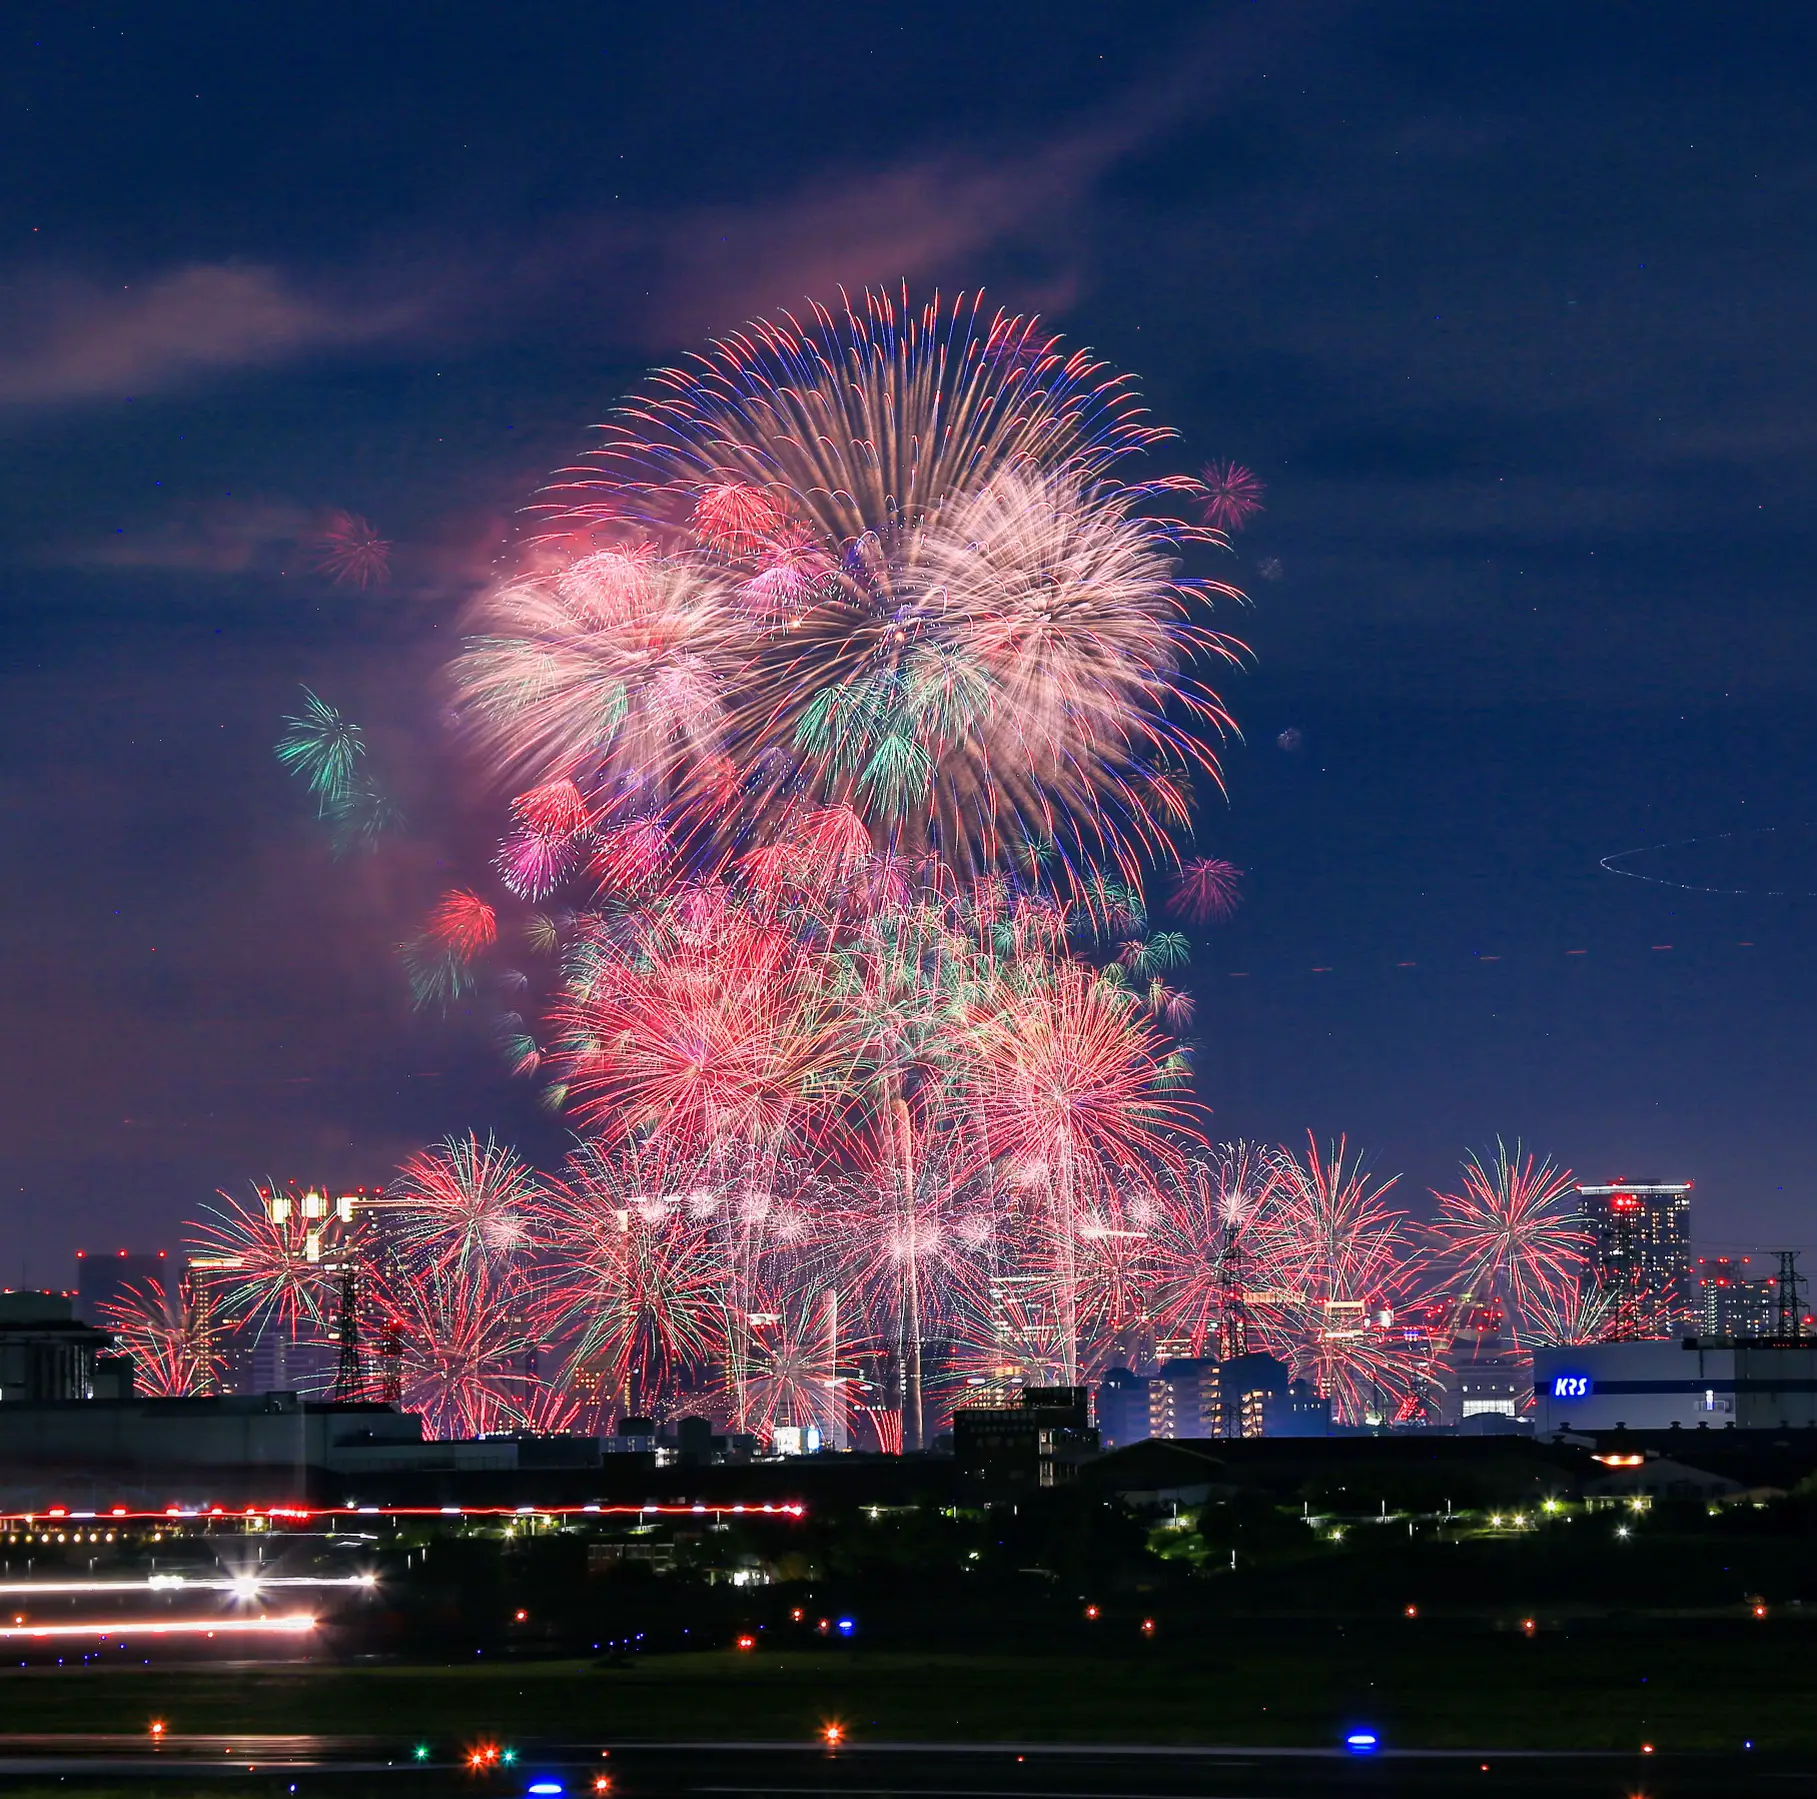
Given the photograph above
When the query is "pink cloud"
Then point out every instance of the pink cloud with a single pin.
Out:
(74, 340)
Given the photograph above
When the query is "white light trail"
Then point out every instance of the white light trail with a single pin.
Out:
(287, 1624)
(245, 1586)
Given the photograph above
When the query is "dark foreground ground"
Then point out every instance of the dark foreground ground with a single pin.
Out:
(1681, 1686)
(326, 1771)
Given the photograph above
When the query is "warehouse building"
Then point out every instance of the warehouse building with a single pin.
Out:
(1761, 1384)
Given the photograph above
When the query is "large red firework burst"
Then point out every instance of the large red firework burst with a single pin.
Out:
(635, 1276)
(1336, 1261)
(1511, 1234)
(175, 1353)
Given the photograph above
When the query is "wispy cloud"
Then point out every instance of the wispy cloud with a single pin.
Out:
(67, 339)
(643, 281)
(220, 537)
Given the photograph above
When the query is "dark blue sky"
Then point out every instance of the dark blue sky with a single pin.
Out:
(1510, 305)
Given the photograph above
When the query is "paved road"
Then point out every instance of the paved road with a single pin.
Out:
(326, 1768)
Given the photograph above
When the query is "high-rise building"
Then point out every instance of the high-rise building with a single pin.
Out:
(114, 1279)
(1123, 1408)
(1183, 1398)
(1735, 1298)
(1639, 1254)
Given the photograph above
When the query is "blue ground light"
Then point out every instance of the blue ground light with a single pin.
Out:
(1362, 1742)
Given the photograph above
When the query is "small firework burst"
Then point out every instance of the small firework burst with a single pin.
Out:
(174, 1352)
(351, 552)
(1206, 889)
(463, 924)
(324, 749)
(1512, 1235)
(1233, 495)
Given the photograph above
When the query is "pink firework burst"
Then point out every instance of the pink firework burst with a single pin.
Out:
(1334, 1252)
(1206, 890)
(635, 1278)
(534, 863)
(1202, 1263)
(792, 1370)
(353, 554)
(268, 1260)
(631, 856)
(789, 564)
(465, 1345)
(1233, 495)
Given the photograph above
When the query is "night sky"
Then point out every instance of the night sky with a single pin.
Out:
(1514, 308)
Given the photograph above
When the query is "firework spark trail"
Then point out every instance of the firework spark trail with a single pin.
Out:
(1576, 1312)
(1334, 1254)
(174, 1352)
(274, 1260)
(461, 1202)
(1511, 1234)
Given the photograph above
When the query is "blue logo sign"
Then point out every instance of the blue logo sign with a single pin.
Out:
(1571, 1386)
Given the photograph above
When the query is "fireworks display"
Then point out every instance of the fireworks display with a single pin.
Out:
(881, 565)
(772, 1291)
(839, 717)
